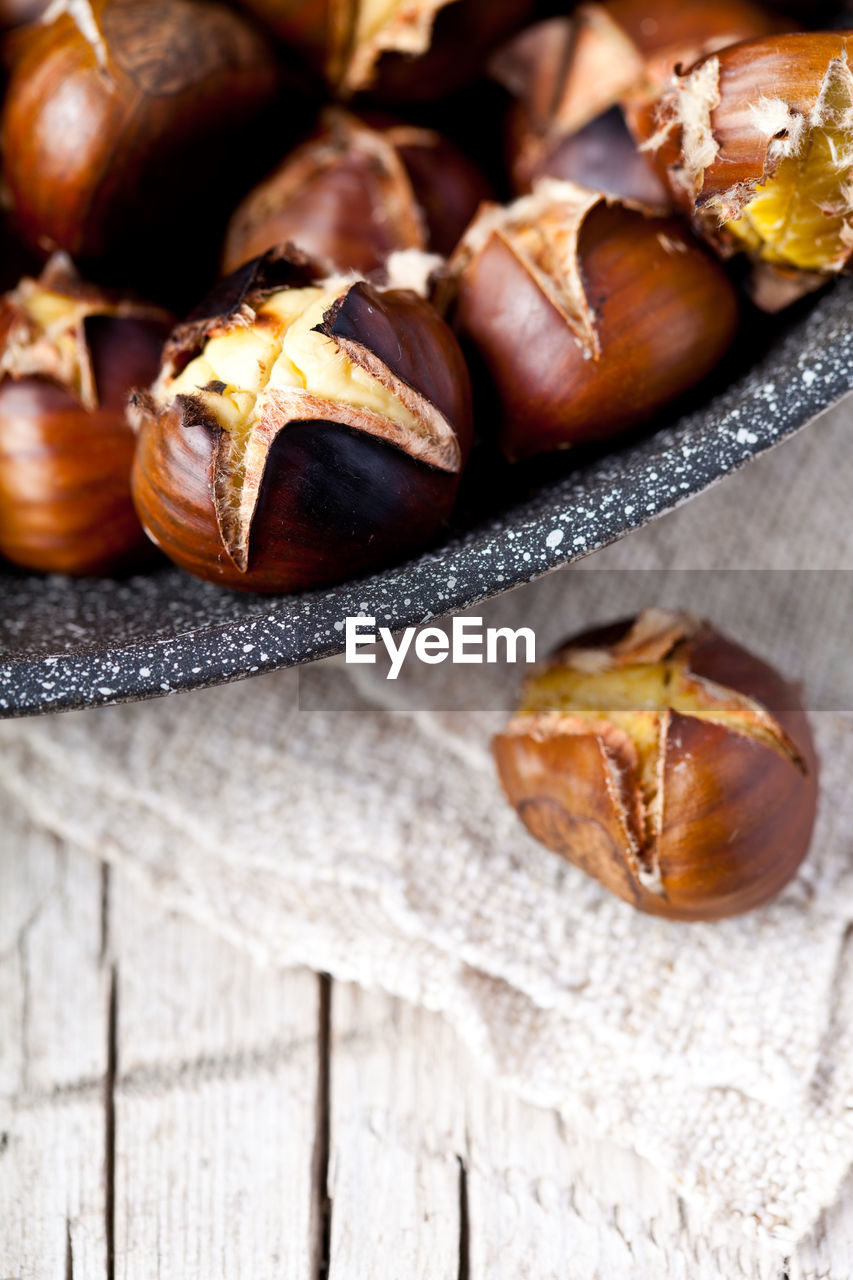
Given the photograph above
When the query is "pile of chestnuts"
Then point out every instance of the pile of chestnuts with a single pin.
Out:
(273, 267)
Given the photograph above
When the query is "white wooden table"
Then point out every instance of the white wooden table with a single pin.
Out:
(168, 1110)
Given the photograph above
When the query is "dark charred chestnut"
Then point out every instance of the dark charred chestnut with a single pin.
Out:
(70, 356)
(588, 316)
(301, 431)
(354, 194)
(756, 144)
(669, 763)
(122, 116)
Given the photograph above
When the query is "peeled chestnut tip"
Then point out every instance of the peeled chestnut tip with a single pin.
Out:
(226, 481)
(52, 328)
(756, 143)
(418, 50)
(587, 315)
(566, 73)
(69, 356)
(358, 192)
(667, 762)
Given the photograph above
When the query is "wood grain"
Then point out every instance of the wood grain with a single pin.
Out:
(167, 1109)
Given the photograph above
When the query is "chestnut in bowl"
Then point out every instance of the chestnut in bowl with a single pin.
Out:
(669, 763)
(69, 356)
(756, 144)
(587, 316)
(119, 120)
(357, 192)
(302, 431)
(415, 51)
(572, 78)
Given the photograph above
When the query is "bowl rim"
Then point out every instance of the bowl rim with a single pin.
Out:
(808, 371)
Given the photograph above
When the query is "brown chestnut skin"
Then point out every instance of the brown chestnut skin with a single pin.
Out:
(792, 68)
(355, 193)
(65, 504)
(335, 495)
(669, 32)
(317, 30)
(601, 155)
(734, 807)
(110, 137)
(653, 314)
(570, 75)
(751, 142)
(463, 35)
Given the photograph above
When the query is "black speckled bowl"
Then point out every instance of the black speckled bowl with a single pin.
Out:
(66, 644)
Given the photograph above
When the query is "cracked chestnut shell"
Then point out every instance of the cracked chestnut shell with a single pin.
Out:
(573, 77)
(302, 432)
(756, 145)
(357, 192)
(120, 117)
(70, 355)
(404, 51)
(587, 316)
(669, 763)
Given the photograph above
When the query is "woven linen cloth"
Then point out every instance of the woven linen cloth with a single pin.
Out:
(355, 830)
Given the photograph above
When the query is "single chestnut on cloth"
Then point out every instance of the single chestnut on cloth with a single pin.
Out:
(355, 193)
(69, 356)
(121, 118)
(669, 763)
(397, 50)
(572, 78)
(756, 144)
(589, 316)
(302, 431)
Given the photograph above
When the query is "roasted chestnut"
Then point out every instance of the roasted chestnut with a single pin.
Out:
(302, 431)
(69, 356)
(756, 144)
(354, 194)
(413, 51)
(120, 118)
(572, 77)
(588, 316)
(669, 763)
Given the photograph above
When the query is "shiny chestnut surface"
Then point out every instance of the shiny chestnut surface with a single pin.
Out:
(65, 504)
(636, 314)
(330, 489)
(727, 817)
(113, 128)
(357, 192)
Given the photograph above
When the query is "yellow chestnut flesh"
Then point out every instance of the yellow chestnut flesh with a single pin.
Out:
(756, 143)
(306, 431)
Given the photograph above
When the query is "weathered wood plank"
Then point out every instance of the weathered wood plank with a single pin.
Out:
(215, 1104)
(409, 1103)
(217, 1074)
(53, 1043)
(546, 1205)
(395, 1138)
(827, 1253)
